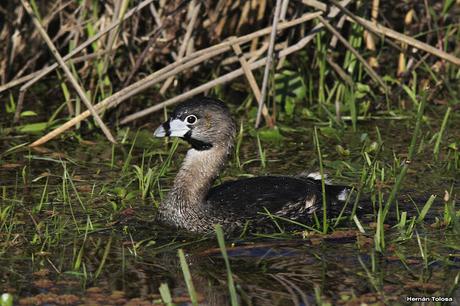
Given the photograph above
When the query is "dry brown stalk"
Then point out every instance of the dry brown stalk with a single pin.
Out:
(339, 26)
(343, 75)
(315, 4)
(30, 76)
(243, 39)
(66, 69)
(202, 88)
(268, 66)
(366, 65)
(284, 7)
(197, 90)
(188, 34)
(81, 47)
(172, 69)
(369, 38)
(140, 59)
(346, 78)
(249, 56)
(261, 5)
(229, 76)
(120, 10)
(384, 31)
(402, 55)
(159, 23)
(334, 11)
(252, 82)
(244, 15)
(379, 29)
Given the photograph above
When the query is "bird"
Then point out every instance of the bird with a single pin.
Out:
(193, 204)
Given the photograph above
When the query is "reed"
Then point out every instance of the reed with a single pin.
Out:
(187, 277)
(223, 250)
(410, 156)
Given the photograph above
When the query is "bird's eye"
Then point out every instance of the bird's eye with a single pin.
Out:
(191, 119)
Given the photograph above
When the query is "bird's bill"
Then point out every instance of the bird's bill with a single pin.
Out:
(172, 128)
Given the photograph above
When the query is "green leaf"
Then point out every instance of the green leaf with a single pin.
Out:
(11, 107)
(362, 90)
(270, 134)
(329, 132)
(342, 151)
(33, 127)
(290, 89)
(448, 4)
(426, 208)
(28, 114)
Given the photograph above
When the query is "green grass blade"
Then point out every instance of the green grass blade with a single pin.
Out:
(426, 208)
(104, 257)
(441, 132)
(165, 294)
(187, 277)
(358, 224)
(231, 285)
(323, 186)
(402, 174)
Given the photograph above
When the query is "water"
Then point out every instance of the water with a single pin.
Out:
(74, 229)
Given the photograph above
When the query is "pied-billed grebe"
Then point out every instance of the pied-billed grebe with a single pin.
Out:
(193, 205)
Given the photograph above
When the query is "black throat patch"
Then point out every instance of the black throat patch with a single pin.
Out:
(167, 128)
(195, 143)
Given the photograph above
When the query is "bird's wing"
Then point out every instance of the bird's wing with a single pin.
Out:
(250, 196)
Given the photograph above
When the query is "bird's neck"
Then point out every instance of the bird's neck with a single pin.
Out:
(192, 183)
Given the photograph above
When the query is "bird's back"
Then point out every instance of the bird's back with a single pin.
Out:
(295, 198)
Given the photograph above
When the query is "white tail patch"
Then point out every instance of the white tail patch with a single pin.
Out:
(310, 202)
(317, 176)
(343, 195)
(310, 206)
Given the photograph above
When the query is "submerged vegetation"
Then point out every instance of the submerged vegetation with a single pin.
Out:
(366, 93)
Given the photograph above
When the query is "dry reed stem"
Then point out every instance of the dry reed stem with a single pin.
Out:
(140, 59)
(234, 74)
(81, 47)
(261, 4)
(197, 90)
(268, 66)
(382, 30)
(284, 8)
(366, 65)
(250, 56)
(252, 82)
(159, 23)
(334, 11)
(243, 39)
(202, 88)
(119, 12)
(185, 42)
(66, 69)
(30, 76)
(368, 37)
(174, 68)
(343, 75)
(339, 26)
(315, 4)
(408, 18)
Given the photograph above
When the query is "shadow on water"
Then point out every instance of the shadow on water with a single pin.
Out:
(74, 230)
